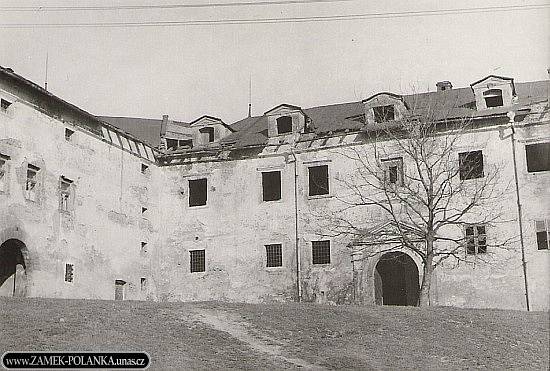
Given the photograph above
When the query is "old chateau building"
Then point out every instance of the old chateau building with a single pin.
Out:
(140, 209)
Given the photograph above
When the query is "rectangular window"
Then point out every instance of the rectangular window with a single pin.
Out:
(197, 261)
(271, 185)
(384, 113)
(393, 171)
(4, 172)
(65, 199)
(119, 289)
(542, 227)
(68, 134)
(321, 252)
(538, 157)
(31, 183)
(197, 192)
(69, 272)
(318, 180)
(4, 104)
(471, 165)
(143, 283)
(143, 249)
(284, 125)
(171, 143)
(476, 239)
(274, 255)
(185, 143)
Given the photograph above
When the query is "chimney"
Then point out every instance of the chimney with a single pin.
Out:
(163, 125)
(444, 85)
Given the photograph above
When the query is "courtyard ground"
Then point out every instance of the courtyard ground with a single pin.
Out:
(212, 335)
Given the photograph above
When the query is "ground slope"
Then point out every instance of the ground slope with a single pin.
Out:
(274, 336)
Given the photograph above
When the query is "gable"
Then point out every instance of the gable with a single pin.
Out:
(282, 109)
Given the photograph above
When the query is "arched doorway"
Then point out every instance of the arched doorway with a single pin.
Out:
(12, 268)
(396, 280)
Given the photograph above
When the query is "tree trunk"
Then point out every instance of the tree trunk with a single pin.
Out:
(428, 272)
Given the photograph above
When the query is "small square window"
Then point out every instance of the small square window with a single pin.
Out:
(198, 192)
(284, 125)
(4, 104)
(274, 254)
(538, 157)
(476, 239)
(470, 165)
(69, 272)
(542, 228)
(68, 134)
(384, 113)
(207, 134)
(493, 98)
(318, 180)
(197, 261)
(171, 143)
(321, 252)
(271, 185)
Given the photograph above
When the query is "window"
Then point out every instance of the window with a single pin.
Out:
(185, 143)
(538, 157)
(143, 249)
(542, 228)
(69, 272)
(31, 183)
(197, 261)
(274, 255)
(471, 165)
(119, 289)
(320, 252)
(144, 168)
(384, 113)
(143, 210)
(65, 194)
(271, 184)
(318, 180)
(197, 192)
(171, 143)
(476, 239)
(4, 104)
(493, 98)
(68, 134)
(393, 171)
(207, 134)
(284, 125)
(143, 283)
(3, 172)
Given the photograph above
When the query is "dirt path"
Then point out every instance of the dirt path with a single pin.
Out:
(237, 328)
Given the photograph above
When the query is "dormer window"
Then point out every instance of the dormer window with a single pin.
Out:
(207, 134)
(384, 113)
(493, 98)
(284, 125)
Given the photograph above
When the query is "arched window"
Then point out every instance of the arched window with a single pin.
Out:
(208, 134)
(493, 98)
(284, 125)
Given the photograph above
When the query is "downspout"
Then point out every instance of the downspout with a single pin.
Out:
(297, 242)
(511, 116)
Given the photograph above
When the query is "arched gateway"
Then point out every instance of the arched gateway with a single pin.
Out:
(12, 268)
(396, 280)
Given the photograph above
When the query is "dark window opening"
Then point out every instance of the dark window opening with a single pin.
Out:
(538, 157)
(197, 261)
(143, 283)
(384, 113)
(321, 252)
(144, 168)
(208, 134)
(393, 171)
(542, 228)
(274, 254)
(476, 239)
(185, 143)
(318, 180)
(284, 125)
(171, 143)
(69, 272)
(197, 192)
(68, 134)
(271, 184)
(471, 165)
(32, 181)
(143, 210)
(143, 249)
(493, 98)
(65, 193)
(4, 104)
(119, 289)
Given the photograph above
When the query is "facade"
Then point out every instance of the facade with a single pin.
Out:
(139, 209)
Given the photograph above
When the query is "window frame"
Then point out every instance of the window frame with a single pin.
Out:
(541, 167)
(65, 273)
(474, 239)
(66, 194)
(383, 113)
(32, 183)
(467, 173)
(287, 120)
(387, 164)
(211, 134)
(309, 181)
(280, 185)
(189, 187)
(320, 257)
(493, 96)
(194, 259)
(274, 255)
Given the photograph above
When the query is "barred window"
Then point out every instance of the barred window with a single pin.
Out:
(69, 272)
(476, 239)
(197, 261)
(274, 254)
(321, 252)
(542, 228)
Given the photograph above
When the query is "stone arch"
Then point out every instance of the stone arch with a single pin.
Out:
(396, 280)
(13, 264)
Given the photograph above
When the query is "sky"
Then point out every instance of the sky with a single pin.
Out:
(189, 71)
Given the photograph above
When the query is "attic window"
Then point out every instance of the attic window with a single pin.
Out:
(4, 104)
(384, 113)
(493, 98)
(284, 125)
(207, 134)
(171, 143)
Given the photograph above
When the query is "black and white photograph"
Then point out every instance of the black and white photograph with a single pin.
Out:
(275, 184)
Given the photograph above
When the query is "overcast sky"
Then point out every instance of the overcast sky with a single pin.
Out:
(194, 70)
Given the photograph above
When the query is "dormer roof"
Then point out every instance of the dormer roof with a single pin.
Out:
(281, 108)
(491, 80)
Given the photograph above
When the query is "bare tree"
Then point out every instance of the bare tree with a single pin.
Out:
(413, 171)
